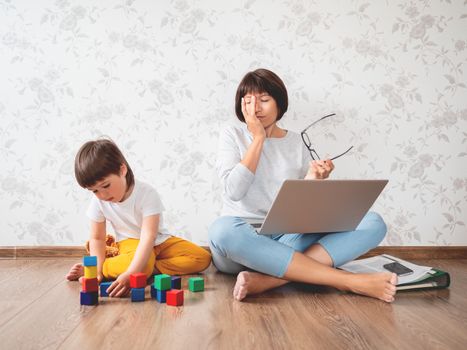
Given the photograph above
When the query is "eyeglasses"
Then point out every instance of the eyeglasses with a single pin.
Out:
(307, 142)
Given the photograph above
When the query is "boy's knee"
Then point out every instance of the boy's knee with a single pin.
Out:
(204, 258)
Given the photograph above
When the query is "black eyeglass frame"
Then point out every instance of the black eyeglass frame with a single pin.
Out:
(307, 141)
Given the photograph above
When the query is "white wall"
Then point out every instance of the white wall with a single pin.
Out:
(159, 78)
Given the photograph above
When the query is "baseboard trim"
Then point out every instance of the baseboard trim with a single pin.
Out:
(41, 252)
(421, 252)
(403, 252)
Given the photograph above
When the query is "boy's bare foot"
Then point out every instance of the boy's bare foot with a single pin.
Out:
(254, 283)
(377, 285)
(76, 271)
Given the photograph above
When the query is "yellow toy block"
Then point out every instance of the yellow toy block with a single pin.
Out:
(90, 271)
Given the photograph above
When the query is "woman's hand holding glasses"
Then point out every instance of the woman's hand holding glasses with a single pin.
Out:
(319, 169)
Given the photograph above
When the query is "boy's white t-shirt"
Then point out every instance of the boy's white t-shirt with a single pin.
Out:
(126, 217)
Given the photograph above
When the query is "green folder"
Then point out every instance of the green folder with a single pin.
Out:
(433, 279)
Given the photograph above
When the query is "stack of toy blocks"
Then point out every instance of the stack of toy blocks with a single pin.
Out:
(138, 285)
(167, 289)
(89, 285)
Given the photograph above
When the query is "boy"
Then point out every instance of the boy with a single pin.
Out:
(134, 210)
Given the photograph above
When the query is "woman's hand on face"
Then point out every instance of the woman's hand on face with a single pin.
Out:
(253, 123)
(319, 169)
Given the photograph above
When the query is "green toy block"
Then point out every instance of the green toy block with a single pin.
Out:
(196, 284)
(162, 282)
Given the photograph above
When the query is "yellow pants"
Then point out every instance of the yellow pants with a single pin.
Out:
(175, 256)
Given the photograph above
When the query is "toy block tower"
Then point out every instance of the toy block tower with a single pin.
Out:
(162, 284)
(89, 286)
(138, 285)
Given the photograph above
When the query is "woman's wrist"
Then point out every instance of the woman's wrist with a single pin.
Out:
(259, 138)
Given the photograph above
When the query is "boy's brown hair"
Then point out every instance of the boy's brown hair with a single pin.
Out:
(262, 80)
(98, 159)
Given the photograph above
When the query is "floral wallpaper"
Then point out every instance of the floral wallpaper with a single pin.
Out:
(159, 78)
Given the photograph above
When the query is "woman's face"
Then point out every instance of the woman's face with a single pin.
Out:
(266, 108)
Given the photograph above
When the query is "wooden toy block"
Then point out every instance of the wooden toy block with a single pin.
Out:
(174, 297)
(138, 294)
(138, 280)
(90, 260)
(196, 284)
(90, 271)
(162, 282)
(103, 288)
(89, 298)
(89, 284)
(153, 292)
(176, 282)
(161, 295)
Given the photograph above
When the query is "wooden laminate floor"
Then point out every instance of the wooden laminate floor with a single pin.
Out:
(40, 310)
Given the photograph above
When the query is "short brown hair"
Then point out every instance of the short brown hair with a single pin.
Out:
(98, 159)
(262, 80)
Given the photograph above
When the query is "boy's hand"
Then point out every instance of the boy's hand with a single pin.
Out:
(120, 287)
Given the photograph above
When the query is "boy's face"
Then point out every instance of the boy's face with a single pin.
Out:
(111, 188)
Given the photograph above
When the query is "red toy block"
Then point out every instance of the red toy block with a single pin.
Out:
(174, 297)
(138, 280)
(89, 285)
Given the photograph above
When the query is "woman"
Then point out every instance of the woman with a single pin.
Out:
(253, 161)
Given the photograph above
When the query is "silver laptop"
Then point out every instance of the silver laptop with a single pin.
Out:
(319, 206)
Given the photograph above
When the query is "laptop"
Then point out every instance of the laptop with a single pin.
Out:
(319, 206)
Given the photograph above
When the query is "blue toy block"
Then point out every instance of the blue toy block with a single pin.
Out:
(103, 287)
(89, 260)
(89, 298)
(137, 294)
(176, 282)
(161, 295)
(153, 292)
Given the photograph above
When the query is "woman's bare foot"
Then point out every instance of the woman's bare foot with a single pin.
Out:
(377, 285)
(254, 283)
(76, 271)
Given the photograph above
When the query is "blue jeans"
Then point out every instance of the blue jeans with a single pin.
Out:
(235, 245)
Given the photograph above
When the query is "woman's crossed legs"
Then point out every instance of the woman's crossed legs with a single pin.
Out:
(277, 260)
